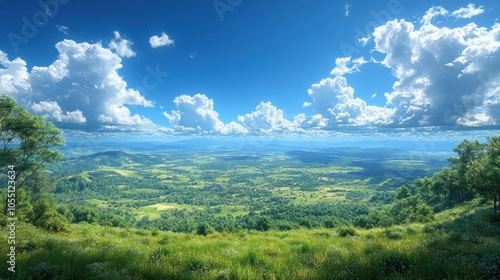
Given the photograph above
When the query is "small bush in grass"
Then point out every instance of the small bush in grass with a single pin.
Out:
(251, 258)
(145, 241)
(141, 232)
(411, 231)
(369, 236)
(347, 231)
(302, 247)
(394, 233)
(243, 235)
(323, 234)
(197, 264)
(165, 239)
(373, 248)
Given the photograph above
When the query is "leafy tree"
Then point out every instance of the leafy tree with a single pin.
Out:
(112, 220)
(84, 214)
(66, 212)
(484, 172)
(40, 182)
(204, 229)
(467, 151)
(411, 209)
(448, 181)
(263, 224)
(47, 217)
(24, 209)
(27, 141)
(424, 188)
(403, 192)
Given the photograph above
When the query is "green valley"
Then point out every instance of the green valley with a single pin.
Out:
(280, 210)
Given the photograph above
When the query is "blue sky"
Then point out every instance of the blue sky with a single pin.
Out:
(240, 67)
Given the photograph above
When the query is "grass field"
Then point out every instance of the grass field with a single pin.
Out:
(461, 244)
(154, 211)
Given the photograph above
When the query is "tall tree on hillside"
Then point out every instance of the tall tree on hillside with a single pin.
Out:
(467, 151)
(484, 172)
(447, 180)
(28, 142)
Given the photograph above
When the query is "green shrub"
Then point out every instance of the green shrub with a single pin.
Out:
(263, 224)
(251, 258)
(204, 229)
(48, 218)
(165, 239)
(346, 231)
(394, 233)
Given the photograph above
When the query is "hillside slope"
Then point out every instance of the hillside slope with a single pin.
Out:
(463, 243)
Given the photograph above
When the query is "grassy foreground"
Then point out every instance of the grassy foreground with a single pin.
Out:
(462, 244)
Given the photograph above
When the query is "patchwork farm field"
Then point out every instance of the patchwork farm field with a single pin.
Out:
(236, 180)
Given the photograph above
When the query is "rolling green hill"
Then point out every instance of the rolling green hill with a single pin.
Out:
(462, 243)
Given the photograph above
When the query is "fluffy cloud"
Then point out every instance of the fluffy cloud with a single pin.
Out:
(345, 65)
(159, 41)
(53, 111)
(446, 76)
(13, 75)
(81, 87)
(267, 119)
(316, 122)
(464, 12)
(432, 13)
(196, 114)
(468, 12)
(333, 99)
(122, 46)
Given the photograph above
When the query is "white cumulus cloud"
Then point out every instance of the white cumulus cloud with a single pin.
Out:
(346, 65)
(333, 99)
(196, 114)
(267, 119)
(122, 46)
(468, 12)
(81, 87)
(464, 12)
(53, 111)
(159, 41)
(445, 76)
(432, 13)
(13, 75)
